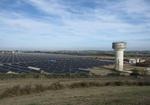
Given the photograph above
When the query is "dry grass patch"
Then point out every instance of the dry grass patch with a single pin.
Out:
(37, 88)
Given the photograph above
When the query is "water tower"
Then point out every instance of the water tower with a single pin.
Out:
(119, 48)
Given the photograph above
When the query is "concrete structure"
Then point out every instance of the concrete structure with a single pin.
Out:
(119, 48)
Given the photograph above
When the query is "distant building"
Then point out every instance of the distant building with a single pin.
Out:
(142, 60)
(147, 70)
(134, 61)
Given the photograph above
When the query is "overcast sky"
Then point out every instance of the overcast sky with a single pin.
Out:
(74, 24)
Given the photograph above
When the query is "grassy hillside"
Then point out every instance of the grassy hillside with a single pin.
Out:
(77, 91)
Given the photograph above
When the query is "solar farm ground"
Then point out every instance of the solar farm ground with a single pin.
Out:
(51, 63)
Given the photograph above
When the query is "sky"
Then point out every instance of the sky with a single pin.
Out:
(74, 24)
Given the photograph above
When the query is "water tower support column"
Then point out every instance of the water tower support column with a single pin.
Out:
(119, 48)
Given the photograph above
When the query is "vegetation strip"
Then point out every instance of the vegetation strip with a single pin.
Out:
(29, 89)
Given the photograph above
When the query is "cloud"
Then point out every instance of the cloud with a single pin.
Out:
(78, 21)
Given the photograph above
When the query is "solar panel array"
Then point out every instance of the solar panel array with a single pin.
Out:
(52, 63)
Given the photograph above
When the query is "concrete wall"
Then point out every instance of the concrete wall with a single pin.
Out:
(119, 59)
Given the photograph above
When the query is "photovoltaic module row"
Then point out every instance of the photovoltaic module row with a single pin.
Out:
(52, 63)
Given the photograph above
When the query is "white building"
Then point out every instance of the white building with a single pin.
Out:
(137, 60)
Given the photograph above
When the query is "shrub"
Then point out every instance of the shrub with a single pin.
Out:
(39, 88)
(135, 72)
(55, 86)
(84, 84)
(28, 89)
(9, 92)
(119, 83)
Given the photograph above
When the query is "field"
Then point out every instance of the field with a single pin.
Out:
(26, 86)
(80, 94)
